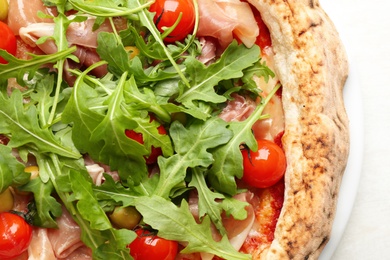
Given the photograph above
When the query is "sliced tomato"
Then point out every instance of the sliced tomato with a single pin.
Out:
(147, 246)
(264, 167)
(168, 12)
(15, 235)
(7, 41)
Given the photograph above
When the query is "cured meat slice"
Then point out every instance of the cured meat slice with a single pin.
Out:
(224, 19)
(21, 13)
(67, 238)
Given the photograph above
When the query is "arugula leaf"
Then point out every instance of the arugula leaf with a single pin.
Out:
(213, 203)
(235, 208)
(88, 207)
(144, 101)
(19, 69)
(23, 126)
(83, 112)
(113, 51)
(117, 150)
(207, 200)
(261, 70)
(86, 201)
(203, 79)
(228, 157)
(191, 146)
(73, 186)
(146, 19)
(111, 191)
(42, 97)
(115, 250)
(47, 207)
(177, 223)
(11, 170)
(102, 8)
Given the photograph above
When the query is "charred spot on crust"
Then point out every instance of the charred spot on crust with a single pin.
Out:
(312, 25)
(324, 241)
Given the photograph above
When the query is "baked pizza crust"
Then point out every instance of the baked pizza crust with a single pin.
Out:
(311, 64)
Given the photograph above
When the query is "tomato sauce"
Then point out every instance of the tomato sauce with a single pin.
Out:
(267, 214)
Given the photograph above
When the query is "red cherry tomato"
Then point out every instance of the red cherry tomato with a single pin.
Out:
(156, 151)
(7, 41)
(15, 235)
(168, 11)
(264, 167)
(149, 246)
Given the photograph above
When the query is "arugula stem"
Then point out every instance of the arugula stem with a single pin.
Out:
(92, 79)
(60, 69)
(65, 197)
(53, 176)
(36, 61)
(105, 11)
(156, 34)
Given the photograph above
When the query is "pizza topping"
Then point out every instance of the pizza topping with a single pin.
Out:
(125, 217)
(8, 41)
(67, 237)
(178, 14)
(264, 167)
(267, 210)
(155, 152)
(238, 109)
(148, 245)
(7, 200)
(78, 136)
(225, 20)
(15, 237)
(22, 13)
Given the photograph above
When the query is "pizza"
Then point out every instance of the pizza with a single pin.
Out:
(210, 129)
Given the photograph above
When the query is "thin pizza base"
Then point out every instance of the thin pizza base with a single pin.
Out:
(311, 64)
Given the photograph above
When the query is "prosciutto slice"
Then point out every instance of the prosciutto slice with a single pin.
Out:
(40, 247)
(61, 243)
(222, 19)
(21, 13)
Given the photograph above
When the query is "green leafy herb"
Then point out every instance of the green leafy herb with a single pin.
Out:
(47, 207)
(177, 223)
(60, 126)
(11, 170)
(19, 69)
(191, 147)
(22, 126)
(228, 164)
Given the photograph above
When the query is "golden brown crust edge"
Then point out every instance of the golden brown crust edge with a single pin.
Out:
(311, 64)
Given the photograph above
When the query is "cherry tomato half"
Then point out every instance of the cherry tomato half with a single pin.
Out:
(15, 235)
(156, 151)
(168, 11)
(7, 41)
(266, 166)
(149, 246)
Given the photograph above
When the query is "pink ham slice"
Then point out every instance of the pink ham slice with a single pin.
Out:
(66, 238)
(238, 109)
(80, 34)
(221, 19)
(40, 247)
(61, 243)
(21, 13)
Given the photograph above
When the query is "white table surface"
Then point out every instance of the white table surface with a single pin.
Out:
(365, 28)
